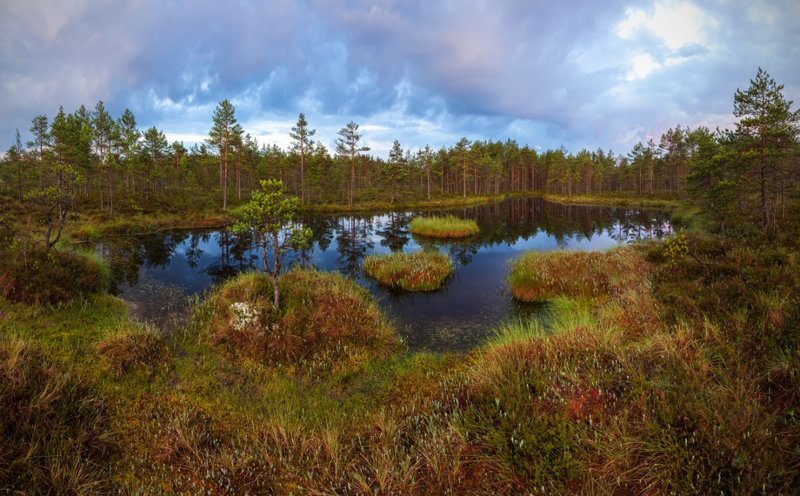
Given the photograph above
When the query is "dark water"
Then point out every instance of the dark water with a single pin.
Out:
(156, 274)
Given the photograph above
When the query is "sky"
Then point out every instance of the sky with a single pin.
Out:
(578, 74)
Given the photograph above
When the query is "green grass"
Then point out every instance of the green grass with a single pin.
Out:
(420, 271)
(443, 227)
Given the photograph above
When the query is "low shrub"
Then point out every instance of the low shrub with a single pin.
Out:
(443, 227)
(36, 276)
(421, 271)
(540, 276)
(126, 349)
(53, 427)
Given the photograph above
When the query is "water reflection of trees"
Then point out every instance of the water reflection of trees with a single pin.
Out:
(354, 241)
(393, 230)
(523, 218)
(236, 254)
(128, 254)
(501, 223)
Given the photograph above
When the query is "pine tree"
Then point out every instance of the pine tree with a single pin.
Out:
(301, 135)
(41, 144)
(105, 130)
(462, 150)
(347, 147)
(269, 217)
(220, 136)
(768, 133)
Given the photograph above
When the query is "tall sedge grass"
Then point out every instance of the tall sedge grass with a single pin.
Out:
(420, 271)
(443, 227)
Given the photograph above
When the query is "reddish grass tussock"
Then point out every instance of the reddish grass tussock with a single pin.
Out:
(421, 271)
(322, 315)
(36, 276)
(539, 276)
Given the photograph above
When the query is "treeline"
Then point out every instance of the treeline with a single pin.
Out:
(110, 164)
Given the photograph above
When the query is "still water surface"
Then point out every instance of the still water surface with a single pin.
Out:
(157, 274)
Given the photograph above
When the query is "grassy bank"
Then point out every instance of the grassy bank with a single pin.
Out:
(616, 201)
(384, 206)
(421, 271)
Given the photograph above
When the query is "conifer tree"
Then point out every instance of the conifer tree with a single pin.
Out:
(301, 135)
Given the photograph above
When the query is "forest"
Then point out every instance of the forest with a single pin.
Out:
(646, 306)
(106, 164)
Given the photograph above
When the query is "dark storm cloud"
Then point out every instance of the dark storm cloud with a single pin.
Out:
(585, 74)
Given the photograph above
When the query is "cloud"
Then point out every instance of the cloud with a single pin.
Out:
(593, 74)
(676, 24)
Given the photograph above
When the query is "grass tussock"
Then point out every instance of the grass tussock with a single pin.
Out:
(443, 227)
(540, 276)
(420, 271)
(133, 348)
(53, 426)
(36, 276)
(324, 317)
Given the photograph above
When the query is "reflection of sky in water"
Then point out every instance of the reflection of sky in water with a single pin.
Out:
(455, 317)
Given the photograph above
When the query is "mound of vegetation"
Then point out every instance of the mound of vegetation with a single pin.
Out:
(323, 316)
(127, 349)
(443, 227)
(540, 276)
(52, 427)
(421, 271)
(36, 276)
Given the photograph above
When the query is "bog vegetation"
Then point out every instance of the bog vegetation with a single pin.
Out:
(443, 227)
(420, 271)
(659, 368)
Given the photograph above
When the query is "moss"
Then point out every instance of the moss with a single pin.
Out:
(443, 227)
(421, 271)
